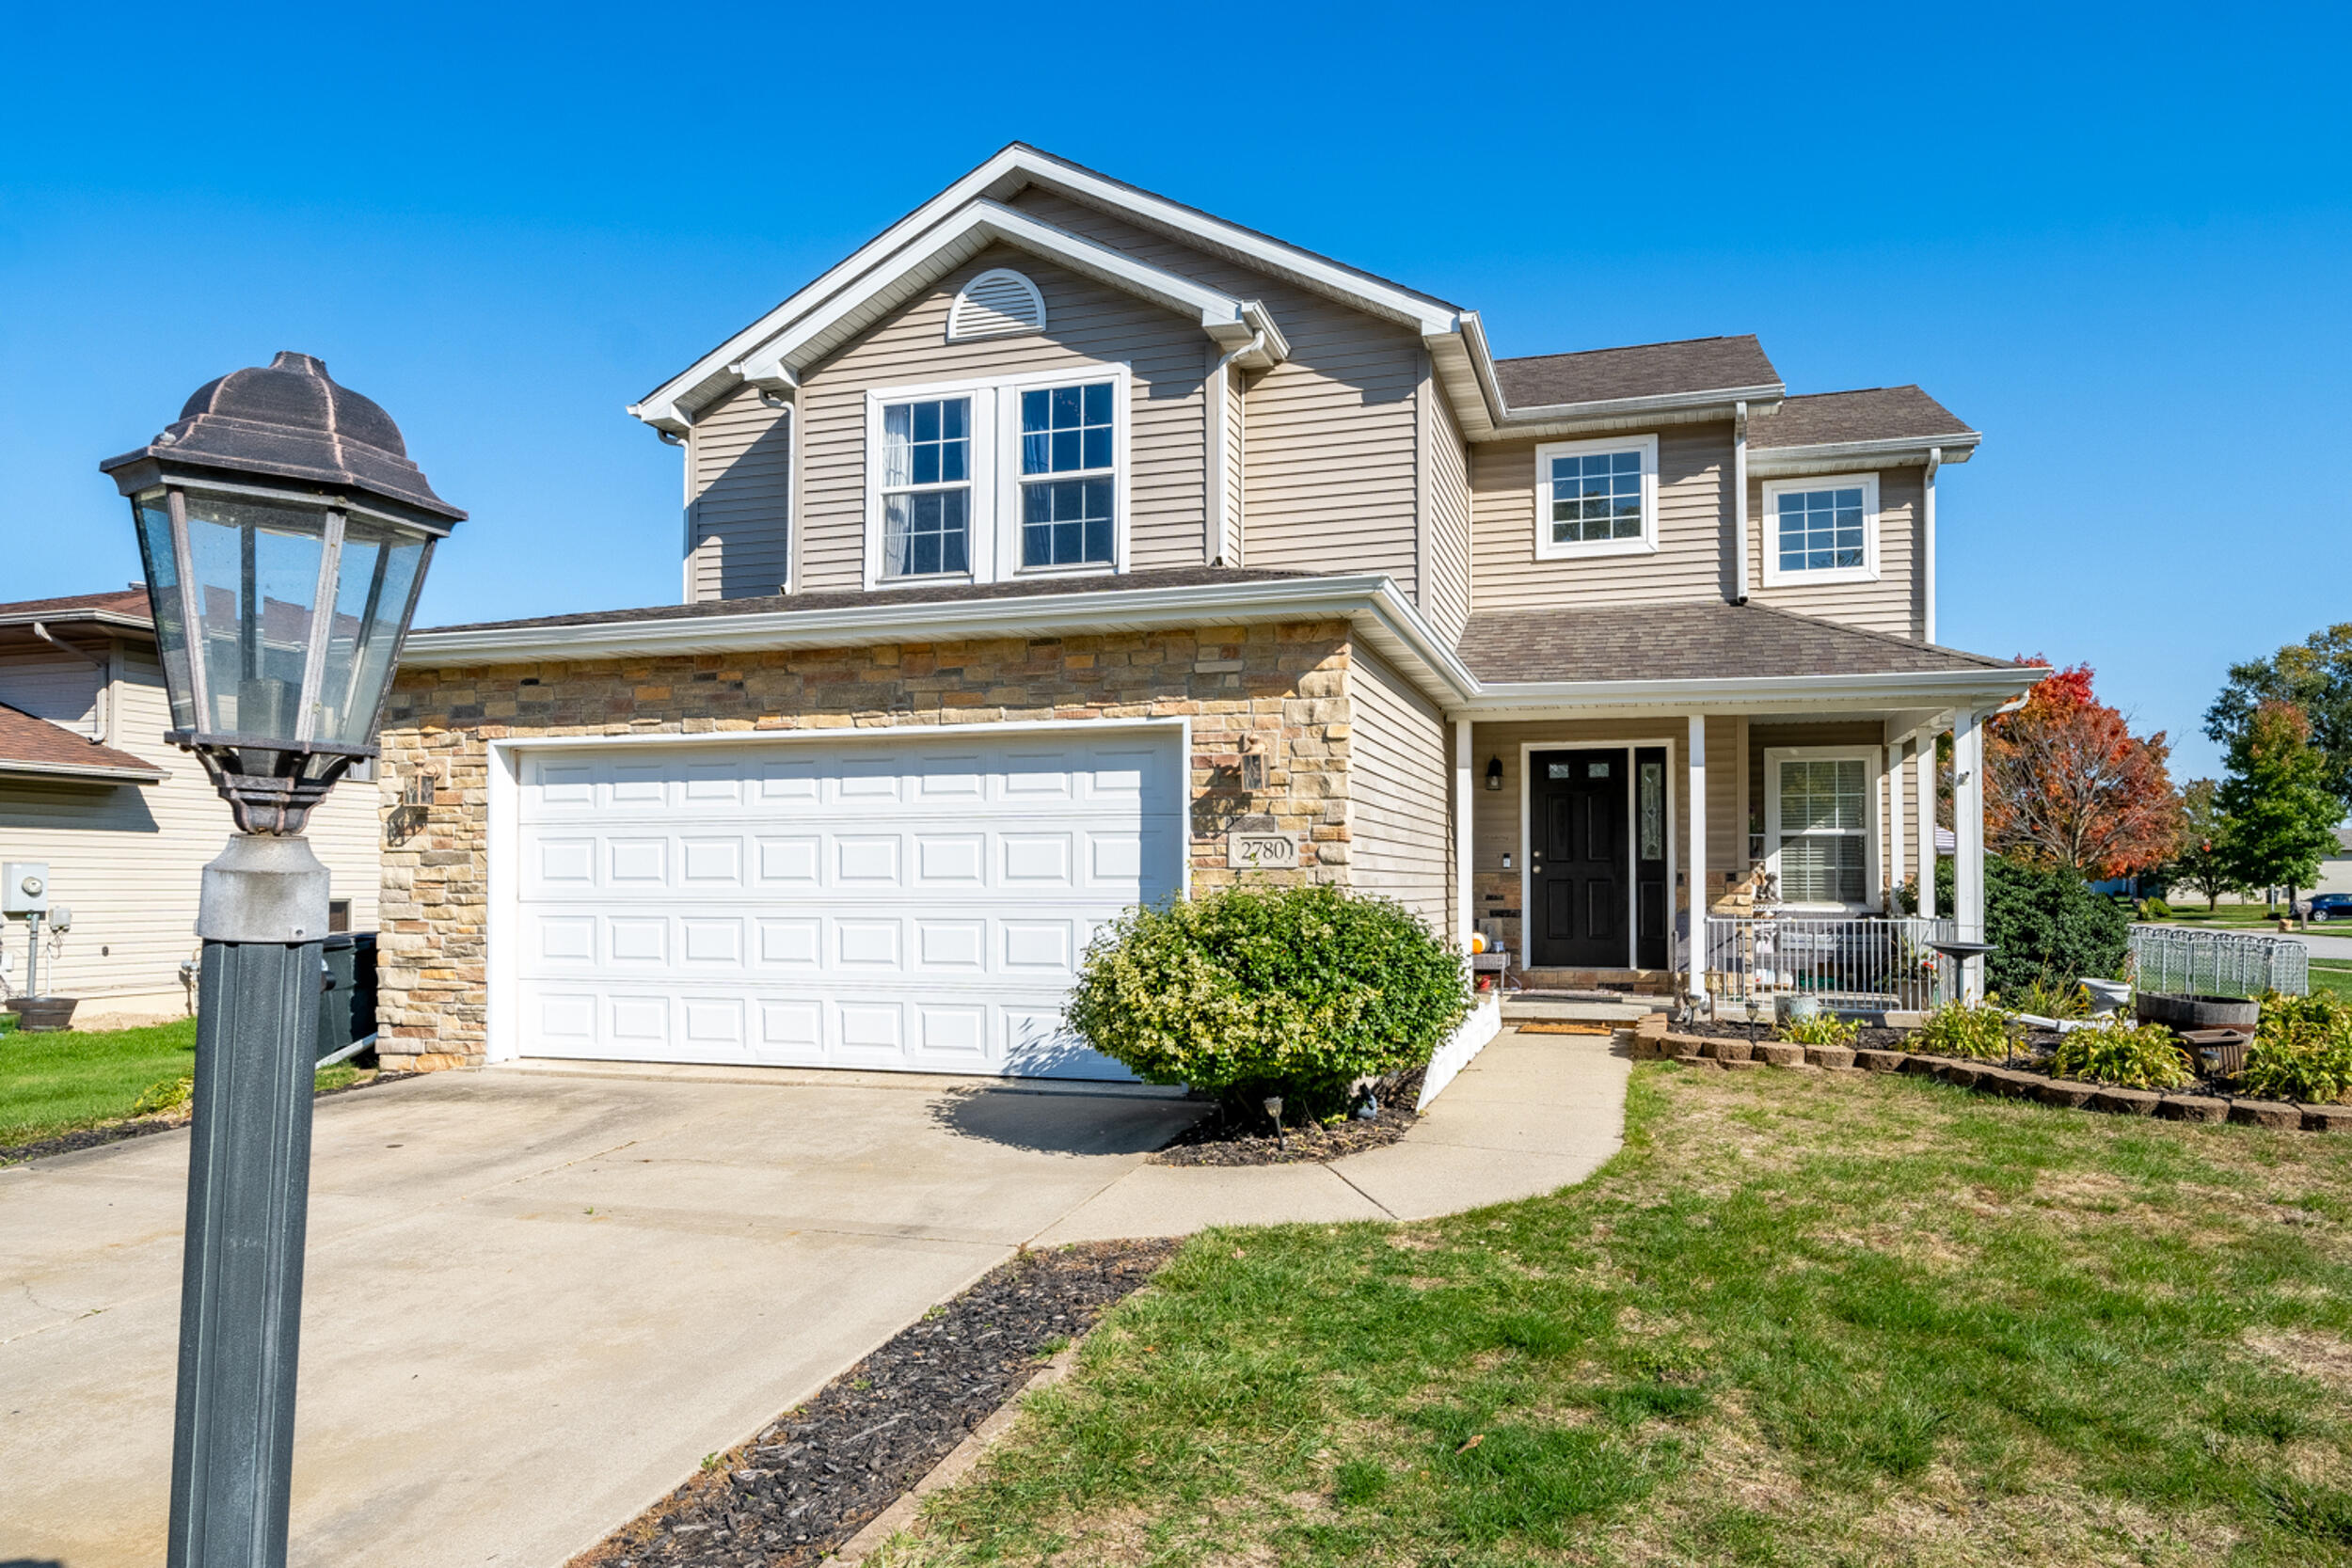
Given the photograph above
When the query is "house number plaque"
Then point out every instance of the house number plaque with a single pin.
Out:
(1255, 844)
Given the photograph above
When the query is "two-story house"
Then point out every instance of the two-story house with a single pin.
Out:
(1066, 547)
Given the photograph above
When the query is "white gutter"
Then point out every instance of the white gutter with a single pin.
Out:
(82, 770)
(1897, 452)
(1740, 504)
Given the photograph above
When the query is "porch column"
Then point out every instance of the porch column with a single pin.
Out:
(1923, 780)
(1968, 828)
(1894, 824)
(1698, 872)
(1465, 905)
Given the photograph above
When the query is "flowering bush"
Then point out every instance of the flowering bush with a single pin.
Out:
(1957, 1029)
(2145, 1056)
(1251, 992)
(2302, 1049)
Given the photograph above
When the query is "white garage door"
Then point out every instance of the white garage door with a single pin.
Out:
(914, 902)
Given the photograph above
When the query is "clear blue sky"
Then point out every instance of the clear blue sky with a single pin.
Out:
(2118, 241)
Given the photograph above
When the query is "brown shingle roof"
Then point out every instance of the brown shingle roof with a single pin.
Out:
(122, 601)
(1690, 641)
(1180, 577)
(1647, 370)
(31, 745)
(1873, 414)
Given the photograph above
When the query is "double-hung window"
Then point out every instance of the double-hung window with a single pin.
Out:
(926, 487)
(1596, 497)
(1066, 471)
(1823, 530)
(985, 480)
(1821, 811)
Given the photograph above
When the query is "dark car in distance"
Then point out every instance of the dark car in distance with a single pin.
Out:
(2332, 906)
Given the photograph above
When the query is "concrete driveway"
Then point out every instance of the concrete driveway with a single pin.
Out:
(536, 1298)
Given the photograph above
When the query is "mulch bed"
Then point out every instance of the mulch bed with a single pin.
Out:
(817, 1475)
(1218, 1140)
(116, 1132)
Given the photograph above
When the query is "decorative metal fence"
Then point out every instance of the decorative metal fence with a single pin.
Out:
(2217, 963)
(1861, 965)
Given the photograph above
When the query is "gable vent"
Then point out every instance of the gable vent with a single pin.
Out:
(997, 304)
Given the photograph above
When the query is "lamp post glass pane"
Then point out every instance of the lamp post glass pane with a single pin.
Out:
(373, 584)
(163, 596)
(256, 566)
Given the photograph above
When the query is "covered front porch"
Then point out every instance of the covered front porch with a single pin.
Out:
(1725, 855)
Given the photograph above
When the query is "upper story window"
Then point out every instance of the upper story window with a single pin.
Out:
(1596, 497)
(997, 304)
(1066, 432)
(926, 487)
(979, 480)
(1823, 530)
(1821, 806)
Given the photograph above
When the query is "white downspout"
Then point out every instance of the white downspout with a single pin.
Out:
(1220, 528)
(1739, 503)
(1926, 542)
(1465, 905)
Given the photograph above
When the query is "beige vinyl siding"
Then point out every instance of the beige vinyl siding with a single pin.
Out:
(1446, 516)
(1085, 324)
(739, 523)
(127, 858)
(1895, 603)
(1330, 459)
(1236, 465)
(1694, 529)
(52, 686)
(1400, 777)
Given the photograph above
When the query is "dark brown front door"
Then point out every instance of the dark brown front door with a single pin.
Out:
(1577, 864)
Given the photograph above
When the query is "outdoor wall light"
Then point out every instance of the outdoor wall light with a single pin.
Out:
(285, 534)
(1494, 772)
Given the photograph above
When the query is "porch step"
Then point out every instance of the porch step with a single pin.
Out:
(1638, 982)
(1557, 1007)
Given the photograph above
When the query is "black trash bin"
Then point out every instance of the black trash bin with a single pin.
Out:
(346, 990)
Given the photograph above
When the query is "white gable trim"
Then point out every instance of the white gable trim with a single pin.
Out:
(668, 405)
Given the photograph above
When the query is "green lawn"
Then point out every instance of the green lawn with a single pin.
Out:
(62, 1083)
(1800, 1320)
(53, 1084)
(2333, 974)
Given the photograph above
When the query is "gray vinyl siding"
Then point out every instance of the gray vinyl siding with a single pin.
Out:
(52, 686)
(127, 858)
(1694, 529)
(1446, 512)
(1895, 603)
(739, 524)
(1086, 325)
(1400, 777)
(1330, 460)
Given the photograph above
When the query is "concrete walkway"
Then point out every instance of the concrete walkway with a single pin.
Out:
(537, 1296)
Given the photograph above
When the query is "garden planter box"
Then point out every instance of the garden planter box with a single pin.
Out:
(2185, 1014)
(42, 1015)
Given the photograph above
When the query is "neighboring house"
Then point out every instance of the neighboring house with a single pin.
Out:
(125, 820)
(1065, 547)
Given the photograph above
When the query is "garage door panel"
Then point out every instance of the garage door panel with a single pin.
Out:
(911, 903)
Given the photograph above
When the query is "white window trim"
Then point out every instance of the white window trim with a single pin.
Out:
(1547, 548)
(995, 510)
(1872, 760)
(1774, 575)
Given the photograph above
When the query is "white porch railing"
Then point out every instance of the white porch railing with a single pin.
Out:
(1859, 965)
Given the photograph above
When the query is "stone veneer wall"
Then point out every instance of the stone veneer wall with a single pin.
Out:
(1281, 687)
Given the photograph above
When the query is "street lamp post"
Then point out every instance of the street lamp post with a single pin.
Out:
(285, 535)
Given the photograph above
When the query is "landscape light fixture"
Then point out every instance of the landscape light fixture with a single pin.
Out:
(285, 535)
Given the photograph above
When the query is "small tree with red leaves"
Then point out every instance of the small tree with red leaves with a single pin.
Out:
(2067, 784)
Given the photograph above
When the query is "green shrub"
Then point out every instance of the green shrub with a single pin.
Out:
(2302, 1049)
(168, 1095)
(1820, 1029)
(2155, 909)
(2044, 925)
(1251, 992)
(2049, 999)
(2145, 1056)
(1957, 1029)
